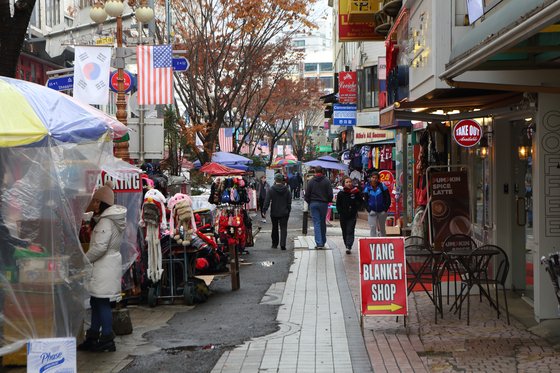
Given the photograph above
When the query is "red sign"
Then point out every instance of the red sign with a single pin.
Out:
(388, 179)
(467, 133)
(127, 81)
(347, 87)
(354, 31)
(383, 276)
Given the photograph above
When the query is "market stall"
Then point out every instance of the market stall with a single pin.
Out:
(50, 145)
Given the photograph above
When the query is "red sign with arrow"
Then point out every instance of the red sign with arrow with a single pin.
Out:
(383, 276)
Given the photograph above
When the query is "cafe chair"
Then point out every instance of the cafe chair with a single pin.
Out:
(496, 274)
(461, 244)
(415, 240)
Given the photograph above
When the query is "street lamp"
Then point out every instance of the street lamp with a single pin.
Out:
(98, 14)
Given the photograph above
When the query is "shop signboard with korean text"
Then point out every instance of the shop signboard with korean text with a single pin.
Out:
(449, 205)
(347, 87)
(354, 31)
(344, 115)
(383, 286)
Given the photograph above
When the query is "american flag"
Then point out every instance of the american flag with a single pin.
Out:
(225, 137)
(155, 74)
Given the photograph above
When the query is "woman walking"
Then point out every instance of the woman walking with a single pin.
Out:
(348, 202)
(105, 256)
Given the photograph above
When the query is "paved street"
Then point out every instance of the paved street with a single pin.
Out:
(319, 328)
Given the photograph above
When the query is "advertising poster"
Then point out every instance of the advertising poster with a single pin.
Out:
(449, 205)
(350, 31)
(383, 276)
(347, 87)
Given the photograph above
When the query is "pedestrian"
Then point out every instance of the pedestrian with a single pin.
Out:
(104, 254)
(279, 199)
(378, 201)
(318, 195)
(300, 184)
(294, 186)
(348, 202)
(262, 191)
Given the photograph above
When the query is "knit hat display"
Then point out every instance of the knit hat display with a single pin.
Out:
(105, 193)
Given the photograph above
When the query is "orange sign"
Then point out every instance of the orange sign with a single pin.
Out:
(383, 276)
(354, 31)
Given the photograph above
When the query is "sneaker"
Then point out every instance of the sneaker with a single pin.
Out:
(283, 248)
(263, 220)
(274, 247)
(348, 250)
(319, 247)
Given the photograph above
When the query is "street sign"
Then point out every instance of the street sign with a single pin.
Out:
(128, 81)
(344, 115)
(61, 83)
(180, 64)
(383, 276)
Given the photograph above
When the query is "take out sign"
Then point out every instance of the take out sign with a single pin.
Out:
(383, 276)
(467, 133)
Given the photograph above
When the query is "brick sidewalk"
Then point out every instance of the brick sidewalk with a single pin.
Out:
(487, 345)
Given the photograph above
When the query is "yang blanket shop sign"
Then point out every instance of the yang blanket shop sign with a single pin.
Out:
(383, 286)
(344, 115)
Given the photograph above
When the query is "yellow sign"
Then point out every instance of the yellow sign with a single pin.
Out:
(108, 40)
(362, 10)
(385, 307)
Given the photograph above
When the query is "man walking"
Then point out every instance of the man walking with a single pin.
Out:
(318, 195)
(262, 191)
(378, 201)
(279, 199)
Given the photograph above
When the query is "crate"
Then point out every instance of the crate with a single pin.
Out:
(47, 270)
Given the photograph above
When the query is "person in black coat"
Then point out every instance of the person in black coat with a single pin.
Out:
(348, 202)
(279, 199)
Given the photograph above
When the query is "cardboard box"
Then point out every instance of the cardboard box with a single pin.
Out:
(48, 270)
(393, 231)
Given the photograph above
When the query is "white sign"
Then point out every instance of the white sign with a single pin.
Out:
(370, 135)
(368, 118)
(381, 68)
(153, 138)
(51, 355)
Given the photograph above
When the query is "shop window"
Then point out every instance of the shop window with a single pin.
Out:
(368, 87)
(327, 82)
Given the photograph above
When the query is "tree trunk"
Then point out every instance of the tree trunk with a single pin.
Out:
(12, 33)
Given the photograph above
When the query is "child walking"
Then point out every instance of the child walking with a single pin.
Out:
(348, 202)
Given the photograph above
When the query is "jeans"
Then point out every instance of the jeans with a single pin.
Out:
(101, 315)
(348, 226)
(283, 223)
(376, 221)
(319, 215)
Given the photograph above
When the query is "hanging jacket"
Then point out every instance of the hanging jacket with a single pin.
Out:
(377, 198)
(279, 199)
(105, 253)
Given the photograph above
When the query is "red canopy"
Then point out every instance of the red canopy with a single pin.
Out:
(216, 169)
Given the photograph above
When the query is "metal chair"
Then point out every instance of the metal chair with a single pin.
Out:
(455, 242)
(496, 274)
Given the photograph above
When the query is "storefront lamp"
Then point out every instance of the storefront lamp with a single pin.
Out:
(524, 147)
(483, 148)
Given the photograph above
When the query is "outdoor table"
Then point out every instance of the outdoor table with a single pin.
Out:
(429, 258)
(475, 264)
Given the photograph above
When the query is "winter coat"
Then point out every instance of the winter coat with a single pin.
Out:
(377, 198)
(105, 255)
(262, 189)
(280, 200)
(319, 190)
(348, 203)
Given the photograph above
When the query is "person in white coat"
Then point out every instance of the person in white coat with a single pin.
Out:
(104, 254)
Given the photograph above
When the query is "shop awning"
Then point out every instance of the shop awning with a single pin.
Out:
(520, 35)
(464, 100)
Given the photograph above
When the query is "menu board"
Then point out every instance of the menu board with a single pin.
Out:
(449, 205)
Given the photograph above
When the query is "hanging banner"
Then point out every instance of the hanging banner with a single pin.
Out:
(344, 115)
(449, 205)
(383, 286)
(347, 87)
(350, 31)
(91, 74)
